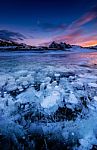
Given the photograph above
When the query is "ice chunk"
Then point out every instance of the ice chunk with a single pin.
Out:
(54, 83)
(42, 86)
(11, 87)
(30, 79)
(3, 80)
(95, 98)
(28, 96)
(72, 98)
(87, 142)
(51, 100)
(57, 75)
(20, 88)
(21, 73)
(93, 85)
(47, 80)
(77, 85)
(57, 88)
(25, 84)
(49, 87)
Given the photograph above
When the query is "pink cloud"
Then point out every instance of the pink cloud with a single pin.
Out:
(84, 19)
(76, 32)
(73, 34)
(70, 37)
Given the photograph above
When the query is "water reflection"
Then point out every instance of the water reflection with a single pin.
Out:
(90, 58)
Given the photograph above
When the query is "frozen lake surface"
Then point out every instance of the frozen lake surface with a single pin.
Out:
(18, 60)
(48, 100)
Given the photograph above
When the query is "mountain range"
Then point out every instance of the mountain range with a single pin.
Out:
(11, 45)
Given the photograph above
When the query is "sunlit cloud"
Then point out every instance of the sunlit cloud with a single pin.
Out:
(84, 19)
(70, 37)
(88, 17)
(76, 32)
(87, 41)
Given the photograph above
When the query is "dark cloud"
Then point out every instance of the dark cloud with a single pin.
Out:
(52, 27)
(49, 27)
(12, 36)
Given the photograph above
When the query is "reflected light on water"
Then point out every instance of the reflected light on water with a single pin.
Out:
(91, 58)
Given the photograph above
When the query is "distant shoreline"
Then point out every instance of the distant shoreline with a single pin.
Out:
(19, 49)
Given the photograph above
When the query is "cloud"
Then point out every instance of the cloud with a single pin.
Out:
(88, 40)
(78, 37)
(70, 37)
(86, 18)
(12, 36)
(52, 27)
(49, 27)
(76, 33)
(89, 43)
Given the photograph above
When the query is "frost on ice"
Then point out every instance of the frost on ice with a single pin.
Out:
(47, 108)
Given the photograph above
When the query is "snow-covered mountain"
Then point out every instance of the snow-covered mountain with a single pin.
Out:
(8, 43)
(62, 46)
(11, 45)
(14, 45)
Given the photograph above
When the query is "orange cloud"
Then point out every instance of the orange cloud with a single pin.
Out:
(78, 37)
(76, 32)
(88, 40)
(89, 43)
(71, 37)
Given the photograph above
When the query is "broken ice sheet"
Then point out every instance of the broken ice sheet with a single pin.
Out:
(49, 105)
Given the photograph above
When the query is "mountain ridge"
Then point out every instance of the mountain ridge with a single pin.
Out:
(11, 45)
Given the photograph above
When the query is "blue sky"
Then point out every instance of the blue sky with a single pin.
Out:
(39, 22)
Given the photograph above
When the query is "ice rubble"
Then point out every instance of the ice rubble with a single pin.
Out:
(47, 108)
(51, 101)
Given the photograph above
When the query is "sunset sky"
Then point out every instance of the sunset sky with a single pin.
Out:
(38, 22)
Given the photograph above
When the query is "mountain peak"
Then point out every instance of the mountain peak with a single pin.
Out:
(60, 45)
